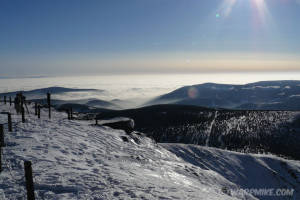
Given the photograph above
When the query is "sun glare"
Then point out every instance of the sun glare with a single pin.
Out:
(228, 5)
(259, 8)
(258, 1)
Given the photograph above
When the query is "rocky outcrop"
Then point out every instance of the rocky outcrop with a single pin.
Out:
(125, 124)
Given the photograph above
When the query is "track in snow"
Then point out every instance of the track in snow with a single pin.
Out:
(210, 128)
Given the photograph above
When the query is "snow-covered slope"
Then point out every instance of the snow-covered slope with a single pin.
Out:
(76, 160)
(249, 171)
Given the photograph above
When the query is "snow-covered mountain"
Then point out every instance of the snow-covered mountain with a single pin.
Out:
(266, 95)
(240, 130)
(77, 160)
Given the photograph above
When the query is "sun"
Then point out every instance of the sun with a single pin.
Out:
(225, 9)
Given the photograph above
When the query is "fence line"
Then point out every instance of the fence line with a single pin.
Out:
(27, 164)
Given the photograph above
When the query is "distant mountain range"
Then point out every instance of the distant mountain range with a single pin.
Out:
(52, 90)
(265, 95)
(79, 105)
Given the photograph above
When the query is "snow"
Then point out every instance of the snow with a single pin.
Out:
(210, 128)
(77, 160)
(261, 87)
(245, 170)
(296, 95)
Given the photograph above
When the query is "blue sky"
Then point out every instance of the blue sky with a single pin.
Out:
(148, 36)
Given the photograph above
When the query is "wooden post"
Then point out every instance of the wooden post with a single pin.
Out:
(4, 99)
(23, 114)
(1, 135)
(96, 121)
(9, 122)
(68, 112)
(29, 180)
(0, 159)
(10, 101)
(49, 103)
(22, 102)
(39, 111)
(71, 113)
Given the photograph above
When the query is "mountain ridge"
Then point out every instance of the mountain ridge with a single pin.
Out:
(271, 95)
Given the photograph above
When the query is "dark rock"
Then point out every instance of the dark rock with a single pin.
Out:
(125, 124)
(125, 139)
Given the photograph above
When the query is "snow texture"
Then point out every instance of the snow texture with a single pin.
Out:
(77, 160)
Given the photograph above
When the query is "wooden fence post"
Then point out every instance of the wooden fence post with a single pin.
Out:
(22, 100)
(10, 101)
(0, 159)
(71, 113)
(1, 135)
(96, 121)
(23, 114)
(4, 99)
(49, 103)
(39, 111)
(9, 122)
(29, 180)
(2, 144)
(68, 112)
